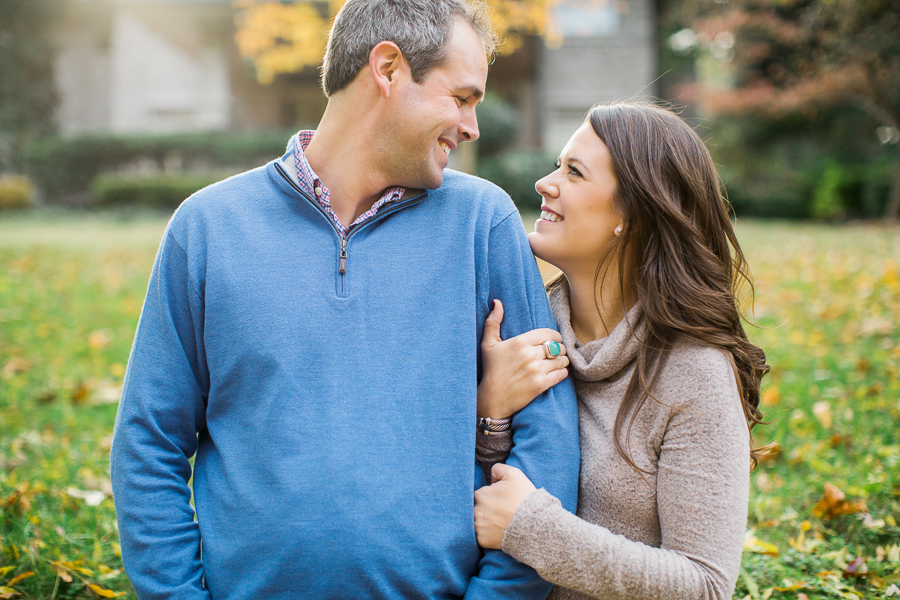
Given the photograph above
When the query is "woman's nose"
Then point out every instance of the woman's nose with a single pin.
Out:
(545, 187)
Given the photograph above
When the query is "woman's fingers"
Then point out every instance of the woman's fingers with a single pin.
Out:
(491, 335)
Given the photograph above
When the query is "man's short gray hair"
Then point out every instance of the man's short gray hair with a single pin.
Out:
(420, 28)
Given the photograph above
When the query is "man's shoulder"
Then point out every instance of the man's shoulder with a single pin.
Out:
(459, 182)
(226, 188)
(475, 195)
(229, 193)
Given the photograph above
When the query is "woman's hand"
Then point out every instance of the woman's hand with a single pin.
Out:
(516, 371)
(496, 504)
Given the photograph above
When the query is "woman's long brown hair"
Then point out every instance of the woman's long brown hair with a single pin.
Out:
(677, 251)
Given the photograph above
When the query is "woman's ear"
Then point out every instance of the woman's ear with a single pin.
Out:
(387, 64)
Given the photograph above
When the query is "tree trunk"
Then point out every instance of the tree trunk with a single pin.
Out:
(893, 207)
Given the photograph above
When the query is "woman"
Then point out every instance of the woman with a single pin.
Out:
(667, 382)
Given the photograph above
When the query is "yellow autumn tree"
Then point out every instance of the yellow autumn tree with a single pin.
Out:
(284, 37)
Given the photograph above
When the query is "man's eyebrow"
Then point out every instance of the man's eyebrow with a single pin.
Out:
(473, 91)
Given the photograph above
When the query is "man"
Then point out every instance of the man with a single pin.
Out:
(311, 333)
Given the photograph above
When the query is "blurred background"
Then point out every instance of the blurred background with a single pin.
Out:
(799, 99)
(114, 111)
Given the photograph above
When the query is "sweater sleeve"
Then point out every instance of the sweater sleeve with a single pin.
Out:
(492, 449)
(545, 433)
(160, 413)
(702, 495)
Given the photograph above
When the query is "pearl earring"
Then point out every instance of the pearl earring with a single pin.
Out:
(618, 230)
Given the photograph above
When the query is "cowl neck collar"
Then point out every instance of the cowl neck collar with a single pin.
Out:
(598, 359)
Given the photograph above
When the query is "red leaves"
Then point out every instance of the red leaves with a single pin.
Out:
(856, 568)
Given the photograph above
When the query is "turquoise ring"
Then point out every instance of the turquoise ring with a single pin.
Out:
(551, 349)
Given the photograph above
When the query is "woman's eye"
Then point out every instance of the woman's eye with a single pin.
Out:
(574, 171)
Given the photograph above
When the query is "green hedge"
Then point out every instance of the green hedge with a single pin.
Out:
(516, 172)
(158, 191)
(62, 166)
(498, 125)
(828, 167)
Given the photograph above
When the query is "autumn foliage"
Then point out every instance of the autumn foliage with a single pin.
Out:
(286, 37)
(778, 57)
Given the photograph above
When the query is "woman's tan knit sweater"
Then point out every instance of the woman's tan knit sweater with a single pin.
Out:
(675, 532)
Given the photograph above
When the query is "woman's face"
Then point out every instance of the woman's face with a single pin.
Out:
(578, 219)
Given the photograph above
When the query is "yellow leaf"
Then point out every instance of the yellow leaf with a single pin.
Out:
(104, 593)
(100, 338)
(752, 544)
(833, 503)
(792, 587)
(19, 578)
(7, 592)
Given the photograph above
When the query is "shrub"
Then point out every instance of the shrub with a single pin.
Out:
(15, 191)
(798, 167)
(516, 172)
(498, 125)
(159, 191)
(63, 167)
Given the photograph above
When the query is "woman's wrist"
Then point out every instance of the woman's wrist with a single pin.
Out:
(489, 426)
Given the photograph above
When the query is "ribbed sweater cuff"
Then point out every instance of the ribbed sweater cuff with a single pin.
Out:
(538, 522)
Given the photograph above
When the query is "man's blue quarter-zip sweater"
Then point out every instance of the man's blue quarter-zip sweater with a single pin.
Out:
(330, 410)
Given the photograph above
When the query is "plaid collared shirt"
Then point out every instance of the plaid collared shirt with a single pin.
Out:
(312, 185)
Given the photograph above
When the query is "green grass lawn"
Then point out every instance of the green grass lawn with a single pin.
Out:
(828, 303)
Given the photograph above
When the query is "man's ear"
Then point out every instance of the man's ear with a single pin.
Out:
(387, 64)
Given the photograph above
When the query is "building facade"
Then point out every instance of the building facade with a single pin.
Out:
(166, 66)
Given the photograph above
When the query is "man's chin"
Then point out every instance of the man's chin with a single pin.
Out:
(432, 182)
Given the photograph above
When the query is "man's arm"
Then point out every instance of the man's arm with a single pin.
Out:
(545, 433)
(160, 413)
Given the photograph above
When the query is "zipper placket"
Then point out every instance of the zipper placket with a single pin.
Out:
(342, 263)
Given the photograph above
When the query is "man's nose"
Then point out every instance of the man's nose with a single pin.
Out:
(468, 127)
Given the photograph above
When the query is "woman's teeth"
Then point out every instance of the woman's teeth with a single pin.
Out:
(549, 216)
(445, 147)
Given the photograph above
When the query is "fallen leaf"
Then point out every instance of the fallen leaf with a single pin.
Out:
(46, 397)
(80, 393)
(90, 497)
(856, 568)
(760, 547)
(15, 365)
(892, 591)
(100, 338)
(876, 326)
(792, 587)
(833, 503)
(822, 412)
(752, 587)
(7, 592)
(802, 596)
(104, 593)
(18, 500)
(771, 397)
(19, 578)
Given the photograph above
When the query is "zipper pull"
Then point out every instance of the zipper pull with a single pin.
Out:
(343, 266)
